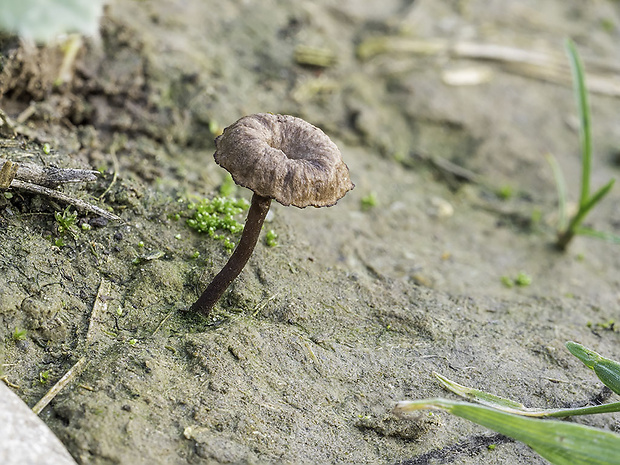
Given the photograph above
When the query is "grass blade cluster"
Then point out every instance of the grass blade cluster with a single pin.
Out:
(559, 442)
(586, 201)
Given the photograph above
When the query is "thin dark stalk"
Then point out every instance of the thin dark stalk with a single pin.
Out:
(241, 255)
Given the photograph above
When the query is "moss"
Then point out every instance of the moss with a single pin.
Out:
(369, 201)
(218, 218)
(271, 238)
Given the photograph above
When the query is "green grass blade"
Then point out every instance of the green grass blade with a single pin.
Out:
(559, 442)
(598, 196)
(607, 370)
(560, 185)
(585, 208)
(510, 406)
(581, 95)
(609, 237)
(481, 397)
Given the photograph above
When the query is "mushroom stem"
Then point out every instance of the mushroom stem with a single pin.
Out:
(251, 231)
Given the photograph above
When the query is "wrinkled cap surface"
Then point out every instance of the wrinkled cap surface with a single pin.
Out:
(284, 158)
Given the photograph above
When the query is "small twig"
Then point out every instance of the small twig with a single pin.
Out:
(261, 306)
(81, 204)
(26, 114)
(7, 126)
(53, 392)
(446, 166)
(99, 307)
(7, 174)
(544, 65)
(41, 180)
(70, 47)
(161, 323)
(8, 383)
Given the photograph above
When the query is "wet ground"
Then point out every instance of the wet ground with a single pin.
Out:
(304, 358)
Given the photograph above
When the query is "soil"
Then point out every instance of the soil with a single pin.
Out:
(304, 358)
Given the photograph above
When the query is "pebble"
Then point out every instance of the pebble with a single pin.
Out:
(25, 438)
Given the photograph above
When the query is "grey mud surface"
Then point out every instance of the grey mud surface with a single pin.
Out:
(305, 357)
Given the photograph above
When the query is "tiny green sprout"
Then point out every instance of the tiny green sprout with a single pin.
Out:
(507, 281)
(141, 244)
(536, 216)
(214, 128)
(119, 311)
(195, 255)
(174, 217)
(271, 238)
(491, 446)
(132, 342)
(523, 279)
(369, 201)
(86, 227)
(46, 148)
(66, 222)
(178, 236)
(44, 377)
(8, 195)
(170, 348)
(59, 242)
(19, 334)
(505, 192)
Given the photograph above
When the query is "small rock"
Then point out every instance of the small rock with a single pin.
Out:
(25, 438)
(440, 208)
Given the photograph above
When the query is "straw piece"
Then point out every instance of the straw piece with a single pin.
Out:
(99, 307)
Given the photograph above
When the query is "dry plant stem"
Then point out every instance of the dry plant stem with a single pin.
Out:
(74, 371)
(251, 231)
(63, 197)
(100, 307)
(41, 180)
(564, 238)
(47, 176)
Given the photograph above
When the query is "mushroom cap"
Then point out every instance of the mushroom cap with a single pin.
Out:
(284, 158)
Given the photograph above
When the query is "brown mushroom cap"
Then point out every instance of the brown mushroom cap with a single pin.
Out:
(284, 158)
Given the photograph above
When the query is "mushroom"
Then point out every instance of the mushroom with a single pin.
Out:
(278, 157)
